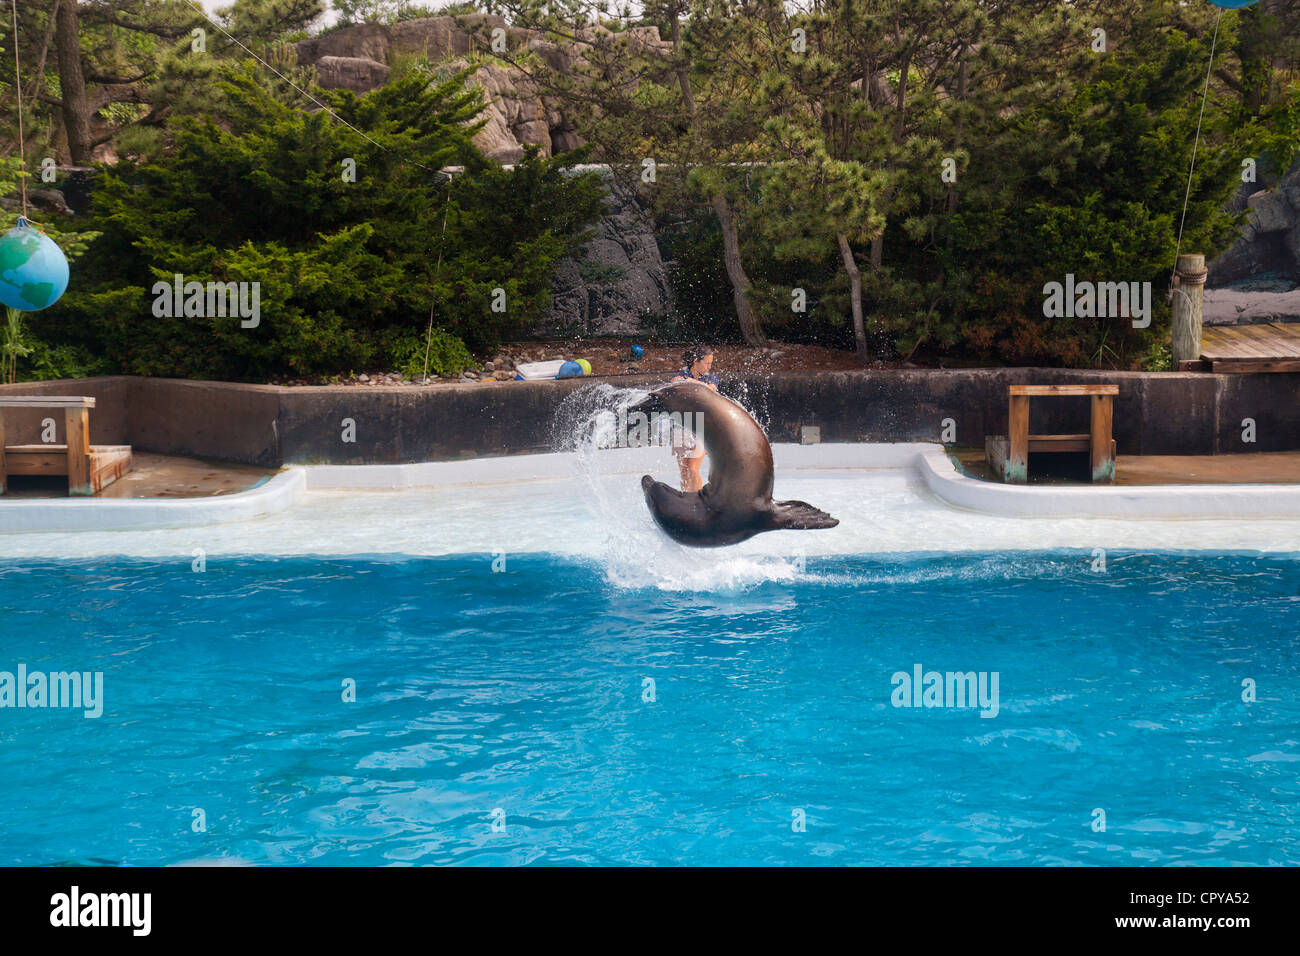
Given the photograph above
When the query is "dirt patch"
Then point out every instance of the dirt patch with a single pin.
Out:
(612, 357)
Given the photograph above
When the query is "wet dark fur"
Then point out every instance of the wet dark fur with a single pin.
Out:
(736, 504)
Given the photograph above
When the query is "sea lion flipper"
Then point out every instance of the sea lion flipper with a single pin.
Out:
(801, 516)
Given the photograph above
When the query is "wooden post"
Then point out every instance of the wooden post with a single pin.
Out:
(77, 427)
(1103, 462)
(2, 451)
(1189, 285)
(1017, 472)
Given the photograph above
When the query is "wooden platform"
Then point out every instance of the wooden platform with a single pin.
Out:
(89, 468)
(1270, 347)
(1008, 455)
(107, 462)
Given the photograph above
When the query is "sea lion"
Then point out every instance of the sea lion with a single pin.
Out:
(736, 504)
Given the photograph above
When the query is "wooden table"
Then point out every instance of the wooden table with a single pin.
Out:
(1009, 456)
(89, 468)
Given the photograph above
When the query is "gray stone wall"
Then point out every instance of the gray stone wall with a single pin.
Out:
(1155, 413)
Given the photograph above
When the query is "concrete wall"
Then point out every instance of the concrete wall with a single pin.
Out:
(1155, 414)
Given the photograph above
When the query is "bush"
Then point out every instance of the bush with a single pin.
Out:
(447, 354)
(259, 195)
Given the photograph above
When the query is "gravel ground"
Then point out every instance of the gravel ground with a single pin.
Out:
(614, 357)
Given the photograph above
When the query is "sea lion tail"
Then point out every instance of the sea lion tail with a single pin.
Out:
(800, 516)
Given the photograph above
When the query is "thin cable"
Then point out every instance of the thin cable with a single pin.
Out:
(437, 270)
(18, 88)
(1188, 195)
(336, 116)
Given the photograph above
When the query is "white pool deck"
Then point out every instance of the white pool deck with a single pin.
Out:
(888, 497)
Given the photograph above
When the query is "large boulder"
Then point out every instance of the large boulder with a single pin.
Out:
(440, 38)
(1270, 237)
(1270, 211)
(369, 40)
(360, 74)
(516, 115)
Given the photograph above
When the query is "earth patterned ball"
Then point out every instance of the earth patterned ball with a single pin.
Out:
(33, 270)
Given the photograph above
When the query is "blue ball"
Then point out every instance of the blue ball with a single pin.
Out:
(569, 370)
(1234, 4)
(33, 270)
(637, 351)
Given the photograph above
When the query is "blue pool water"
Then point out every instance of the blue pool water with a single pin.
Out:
(524, 691)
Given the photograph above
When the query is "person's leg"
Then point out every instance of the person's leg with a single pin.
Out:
(696, 460)
(684, 471)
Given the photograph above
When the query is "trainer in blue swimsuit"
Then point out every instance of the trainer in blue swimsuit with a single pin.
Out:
(694, 356)
(708, 378)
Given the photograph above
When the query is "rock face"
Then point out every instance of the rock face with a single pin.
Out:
(359, 59)
(1268, 302)
(357, 73)
(617, 278)
(1270, 239)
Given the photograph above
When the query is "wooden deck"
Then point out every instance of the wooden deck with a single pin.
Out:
(1271, 347)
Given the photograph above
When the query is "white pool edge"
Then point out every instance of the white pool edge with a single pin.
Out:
(147, 514)
(1177, 502)
(929, 462)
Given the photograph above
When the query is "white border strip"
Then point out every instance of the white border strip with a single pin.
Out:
(146, 514)
(931, 461)
(1184, 502)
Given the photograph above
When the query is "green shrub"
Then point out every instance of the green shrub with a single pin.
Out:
(447, 354)
(258, 194)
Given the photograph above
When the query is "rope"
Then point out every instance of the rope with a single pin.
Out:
(18, 88)
(1173, 278)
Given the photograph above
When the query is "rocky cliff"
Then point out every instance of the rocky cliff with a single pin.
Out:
(1270, 239)
(1258, 278)
(618, 277)
(359, 58)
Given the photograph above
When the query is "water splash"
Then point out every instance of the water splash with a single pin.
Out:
(633, 552)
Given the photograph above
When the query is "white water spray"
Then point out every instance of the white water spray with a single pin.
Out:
(634, 552)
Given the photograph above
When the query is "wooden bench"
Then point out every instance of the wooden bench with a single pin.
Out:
(1008, 455)
(90, 468)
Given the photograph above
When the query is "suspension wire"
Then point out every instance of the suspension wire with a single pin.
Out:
(1173, 278)
(18, 88)
(437, 271)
